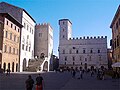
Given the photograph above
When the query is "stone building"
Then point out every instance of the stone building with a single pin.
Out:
(86, 52)
(9, 42)
(27, 32)
(115, 26)
(44, 42)
(110, 56)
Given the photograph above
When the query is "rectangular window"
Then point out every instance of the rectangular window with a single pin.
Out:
(117, 41)
(15, 27)
(65, 58)
(73, 58)
(17, 39)
(63, 23)
(11, 25)
(27, 36)
(98, 51)
(77, 51)
(13, 50)
(7, 23)
(32, 31)
(22, 46)
(6, 34)
(10, 36)
(17, 51)
(26, 48)
(5, 48)
(117, 25)
(91, 51)
(9, 49)
(24, 25)
(84, 51)
(27, 27)
(63, 51)
(18, 30)
(29, 49)
(14, 37)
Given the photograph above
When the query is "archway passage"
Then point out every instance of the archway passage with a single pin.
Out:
(16, 67)
(45, 66)
(24, 64)
(13, 67)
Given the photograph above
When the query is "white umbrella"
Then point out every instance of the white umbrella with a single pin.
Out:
(117, 64)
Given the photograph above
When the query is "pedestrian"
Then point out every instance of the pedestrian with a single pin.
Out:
(8, 72)
(39, 82)
(73, 73)
(92, 73)
(103, 74)
(29, 83)
(81, 73)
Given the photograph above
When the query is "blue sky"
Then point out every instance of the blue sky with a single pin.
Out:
(88, 17)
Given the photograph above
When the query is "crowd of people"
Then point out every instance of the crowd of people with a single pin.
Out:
(79, 73)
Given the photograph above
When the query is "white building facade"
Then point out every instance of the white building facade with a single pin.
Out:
(27, 41)
(86, 52)
(44, 41)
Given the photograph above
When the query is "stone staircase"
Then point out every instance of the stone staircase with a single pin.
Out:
(34, 65)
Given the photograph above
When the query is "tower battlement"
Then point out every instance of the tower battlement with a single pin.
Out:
(99, 37)
(37, 26)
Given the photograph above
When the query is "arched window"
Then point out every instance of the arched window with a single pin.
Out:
(98, 50)
(84, 51)
(65, 58)
(91, 51)
(73, 58)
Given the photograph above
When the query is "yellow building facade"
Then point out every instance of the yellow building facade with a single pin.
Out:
(10, 42)
(115, 26)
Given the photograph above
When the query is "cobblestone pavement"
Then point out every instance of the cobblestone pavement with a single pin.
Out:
(59, 81)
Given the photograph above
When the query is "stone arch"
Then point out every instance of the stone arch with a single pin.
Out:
(13, 66)
(24, 64)
(45, 66)
(8, 66)
(16, 67)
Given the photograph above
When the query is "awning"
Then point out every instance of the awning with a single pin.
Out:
(117, 64)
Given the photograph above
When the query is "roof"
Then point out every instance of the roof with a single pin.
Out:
(21, 9)
(65, 20)
(11, 18)
(115, 17)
